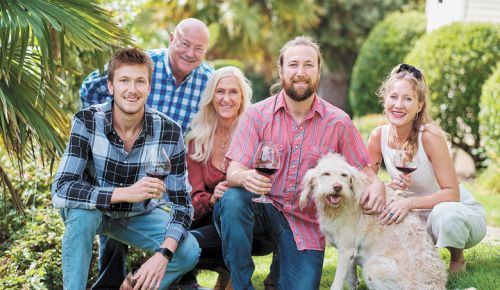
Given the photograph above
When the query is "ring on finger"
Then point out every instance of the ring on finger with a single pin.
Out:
(391, 214)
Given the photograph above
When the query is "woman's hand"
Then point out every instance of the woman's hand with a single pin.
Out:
(396, 211)
(400, 182)
(219, 192)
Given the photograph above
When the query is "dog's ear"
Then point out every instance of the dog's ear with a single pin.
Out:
(308, 187)
(358, 181)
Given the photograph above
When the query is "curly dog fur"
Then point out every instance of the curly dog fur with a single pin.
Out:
(399, 256)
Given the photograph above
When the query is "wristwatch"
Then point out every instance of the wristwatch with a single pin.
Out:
(166, 253)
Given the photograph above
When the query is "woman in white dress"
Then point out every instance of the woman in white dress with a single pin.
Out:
(454, 218)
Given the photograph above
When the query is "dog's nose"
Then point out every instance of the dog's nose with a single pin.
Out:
(337, 187)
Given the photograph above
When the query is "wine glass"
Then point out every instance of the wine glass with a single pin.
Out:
(157, 165)
(267, 162)
(403, 163)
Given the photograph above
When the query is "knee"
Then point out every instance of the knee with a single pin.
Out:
(447, 213)
(81, 222)
(234, 202)
(188, 252)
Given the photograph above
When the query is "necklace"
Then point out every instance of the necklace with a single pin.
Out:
(136, 133)
(396, 142)
(223, 144)
(226, 139)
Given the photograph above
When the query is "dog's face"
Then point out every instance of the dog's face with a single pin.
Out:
(331, 183)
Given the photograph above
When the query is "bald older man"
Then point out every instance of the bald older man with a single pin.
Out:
(179, 78)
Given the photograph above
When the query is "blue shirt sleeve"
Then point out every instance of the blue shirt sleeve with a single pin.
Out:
(94, 89)
(69, 189)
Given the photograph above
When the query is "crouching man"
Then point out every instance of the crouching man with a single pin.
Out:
(102, 188)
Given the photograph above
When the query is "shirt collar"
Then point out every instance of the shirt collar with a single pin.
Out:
(147, 126)
(316, 107)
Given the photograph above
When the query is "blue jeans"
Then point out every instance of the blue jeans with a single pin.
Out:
(239, 220)
(144, 231)
(112, 261)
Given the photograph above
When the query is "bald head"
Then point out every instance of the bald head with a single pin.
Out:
(188, 45)
(195, 27)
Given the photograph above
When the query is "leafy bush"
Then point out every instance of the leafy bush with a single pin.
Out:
(456, 60)
(489, 115)
(489, 179)
(386, 45)
(32, 257)
(367, 123)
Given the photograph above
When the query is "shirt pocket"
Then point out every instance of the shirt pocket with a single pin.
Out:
(315, 154)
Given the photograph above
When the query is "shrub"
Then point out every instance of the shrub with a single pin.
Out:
(386, 45)
(32, 258)
(489, 115)
(456, 60)
(367, 123)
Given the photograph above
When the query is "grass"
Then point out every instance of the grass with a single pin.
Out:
(483, 260)
(483, 271)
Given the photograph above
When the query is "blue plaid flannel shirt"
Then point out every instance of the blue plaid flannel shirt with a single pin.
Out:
(180, 103)
(95, 163)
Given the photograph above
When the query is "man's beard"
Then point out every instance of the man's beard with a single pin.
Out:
(294, 94)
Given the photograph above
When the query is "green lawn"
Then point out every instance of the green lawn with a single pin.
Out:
(483, 261)
(483, 270)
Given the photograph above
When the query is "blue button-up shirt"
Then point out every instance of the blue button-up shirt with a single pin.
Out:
(179, 103)
(95, 163)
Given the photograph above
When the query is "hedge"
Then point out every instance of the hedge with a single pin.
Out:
(489, 115)
(387, 45)
(456, 61)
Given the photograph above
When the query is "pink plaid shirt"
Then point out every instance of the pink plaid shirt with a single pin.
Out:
(325, 129)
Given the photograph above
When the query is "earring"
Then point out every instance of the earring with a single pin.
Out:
(416, 117)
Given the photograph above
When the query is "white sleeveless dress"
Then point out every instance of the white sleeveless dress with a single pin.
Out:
(452, 224)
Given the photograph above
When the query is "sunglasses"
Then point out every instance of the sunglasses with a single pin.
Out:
(411, 69)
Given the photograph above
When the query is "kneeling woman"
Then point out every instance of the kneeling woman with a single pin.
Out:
(454, 218)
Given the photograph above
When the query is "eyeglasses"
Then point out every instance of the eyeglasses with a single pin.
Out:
(185, 45)
(411, 69)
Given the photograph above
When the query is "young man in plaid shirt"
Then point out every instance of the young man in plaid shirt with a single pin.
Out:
(101, 185)
(179, 78)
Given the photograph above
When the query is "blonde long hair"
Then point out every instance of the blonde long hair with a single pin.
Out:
(417, 81)
(205, 122)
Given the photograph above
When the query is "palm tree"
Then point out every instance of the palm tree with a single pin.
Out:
(34, 39)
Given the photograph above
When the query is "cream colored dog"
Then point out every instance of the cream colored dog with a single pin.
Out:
(398, 256)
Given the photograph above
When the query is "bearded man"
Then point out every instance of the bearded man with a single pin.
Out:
(303, 127)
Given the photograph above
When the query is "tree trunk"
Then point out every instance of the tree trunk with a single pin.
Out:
(333, 89)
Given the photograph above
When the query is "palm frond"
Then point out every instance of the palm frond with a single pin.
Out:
(34, 37)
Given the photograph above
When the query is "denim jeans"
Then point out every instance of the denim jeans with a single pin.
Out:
(239, 220)
(144, 231)
(112, 260)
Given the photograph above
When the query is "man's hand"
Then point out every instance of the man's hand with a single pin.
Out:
(149, 275)
(145, 188)
(373, 199)
(256, 182)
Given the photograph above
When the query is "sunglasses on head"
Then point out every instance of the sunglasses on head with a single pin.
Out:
(411, 69)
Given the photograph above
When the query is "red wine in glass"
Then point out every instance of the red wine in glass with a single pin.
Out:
(157, 165)
(403, 163)
(406, 170)
(267, 162)
(266, 171)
